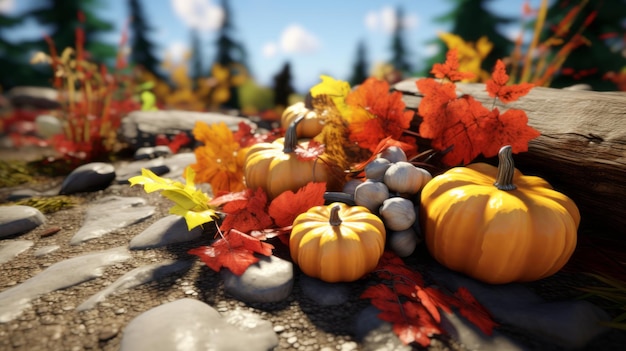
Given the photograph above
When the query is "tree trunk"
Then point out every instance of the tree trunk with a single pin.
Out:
(581, 150)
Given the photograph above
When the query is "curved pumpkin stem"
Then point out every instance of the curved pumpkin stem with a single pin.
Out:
(334, 219)
(506, 169)
(291, 136)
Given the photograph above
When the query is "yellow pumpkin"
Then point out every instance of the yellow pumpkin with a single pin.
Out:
(496, 224)
(310, 126)
(276, 168)
(337, 242)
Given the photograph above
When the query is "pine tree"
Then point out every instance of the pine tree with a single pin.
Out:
(605, 50)
(197, 68)
(360, 68)
(230, 54)
(398, 47)
(142, 48)
(282, 86)
(63, 17)
(471, 20)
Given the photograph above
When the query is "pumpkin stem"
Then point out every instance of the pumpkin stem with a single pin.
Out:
(291, 136)
(506, 169)
(334, 219)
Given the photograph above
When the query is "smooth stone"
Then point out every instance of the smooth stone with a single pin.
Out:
(192, 325)
(110, 213)
(21, 194)
(38, 97)
(48, 126)
(135, 277)
(269, 280)
(140, 128)
(168, 230)
(60, 275)
(18, 219)
(324, 293)
(11, 248)
(162, 151)
(42, 251)
(144, 153)
(131, 169)
(472, 338)
(89, 177)
(568, 324)
(177, 164)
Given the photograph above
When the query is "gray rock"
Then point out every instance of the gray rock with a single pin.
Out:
(191, 325)
(58, 276)
(110, 213)
(12, 248)
(376, 334)
(269, 280)
(167, 230)
(48, 126)
(92, 176)
(42, 251)
(567, 324)
(137, 276)
(37, 97)
(140, 128)
(19, 219)
(464, 332)
(323, 293)
(177, 164)
(131, 169)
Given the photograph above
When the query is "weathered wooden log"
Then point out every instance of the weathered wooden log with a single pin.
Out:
(581, 150)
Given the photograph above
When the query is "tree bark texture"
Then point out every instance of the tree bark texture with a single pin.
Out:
(582, 148)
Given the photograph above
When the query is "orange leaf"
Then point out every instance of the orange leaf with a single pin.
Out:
(509, 128)
(377, 114)
(450, 69)
(496, 86)
(288, 205)
(247, 214)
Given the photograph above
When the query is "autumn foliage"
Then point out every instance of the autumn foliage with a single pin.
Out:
(463, 127)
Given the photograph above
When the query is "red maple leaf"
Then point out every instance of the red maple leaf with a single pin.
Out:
(377, 114)
(497, 85)
(409, 149)
(509, 128)
(450, 69)
(234, 251)
(312, 151)
(288, 205)
(413, 308)
(246, 136)
(247, 214)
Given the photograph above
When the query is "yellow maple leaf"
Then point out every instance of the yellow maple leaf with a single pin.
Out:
(337, 90)
(220, 160)
(469, 54)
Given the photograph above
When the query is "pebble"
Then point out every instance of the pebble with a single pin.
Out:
(89, 177)
(18, 219)
(124, 172)
(324, 293)
(42, 251)
(11, 248)
(167, 230)
(194, 325)
(270, 280)
(110, 213)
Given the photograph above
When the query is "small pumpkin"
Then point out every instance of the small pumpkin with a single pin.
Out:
(276, 168)
(496, 224)
(337, 242)
(403, 177)
(371, 194)
(310, 126)
(398, 213)
(393, 154)
(403, 242)
(375, 170)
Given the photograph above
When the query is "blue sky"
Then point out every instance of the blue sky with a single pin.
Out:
(316, 37)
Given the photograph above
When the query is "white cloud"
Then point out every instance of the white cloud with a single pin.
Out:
(199, 14)
(6, 6)
(176, 51)
(296, 39)
(385, 20)
(270, 49)
(430, 50)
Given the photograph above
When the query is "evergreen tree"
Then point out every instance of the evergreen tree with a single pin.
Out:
(142, 48)
(471, 20)
(14, 61)
(605, 51)
(282, 86)
(230, 54)
(197, 68)
(398, 47)
(63, 17)
(360, 68)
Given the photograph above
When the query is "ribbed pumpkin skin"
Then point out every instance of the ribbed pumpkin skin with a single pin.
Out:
(341, 253)
(494, 235)
(269, 167)
(311, 125)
